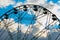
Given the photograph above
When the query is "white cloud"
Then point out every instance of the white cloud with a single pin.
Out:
(55, 9)
(4, 3)
(18, 4)
(35, 1)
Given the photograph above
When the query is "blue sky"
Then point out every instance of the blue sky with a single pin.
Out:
(54, 1)
(5, 9)
(20, 0)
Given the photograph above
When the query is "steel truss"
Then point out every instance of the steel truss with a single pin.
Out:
(38, 11)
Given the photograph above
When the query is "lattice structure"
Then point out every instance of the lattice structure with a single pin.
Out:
(36, 18)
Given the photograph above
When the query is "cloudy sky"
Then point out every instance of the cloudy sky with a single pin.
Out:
(52, 5)
(6, 5)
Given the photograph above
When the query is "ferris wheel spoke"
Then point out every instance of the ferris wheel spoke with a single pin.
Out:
(19, 28)
(47, 20)
(40, 34)
(2, 32)
(32, 24)
(40, 31)
(9, 33)
(13, 21)
(41, 16)
(38, 12)
(40, 23)
(24, 38)
(8, 30)
(57, 37)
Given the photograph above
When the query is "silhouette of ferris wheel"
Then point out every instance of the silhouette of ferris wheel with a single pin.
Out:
(30, 15)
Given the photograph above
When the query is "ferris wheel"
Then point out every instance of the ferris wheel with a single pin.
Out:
(34, 18)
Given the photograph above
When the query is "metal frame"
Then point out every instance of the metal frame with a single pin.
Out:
(34, 8)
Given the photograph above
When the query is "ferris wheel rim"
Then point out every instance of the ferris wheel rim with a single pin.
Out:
(23, 5)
